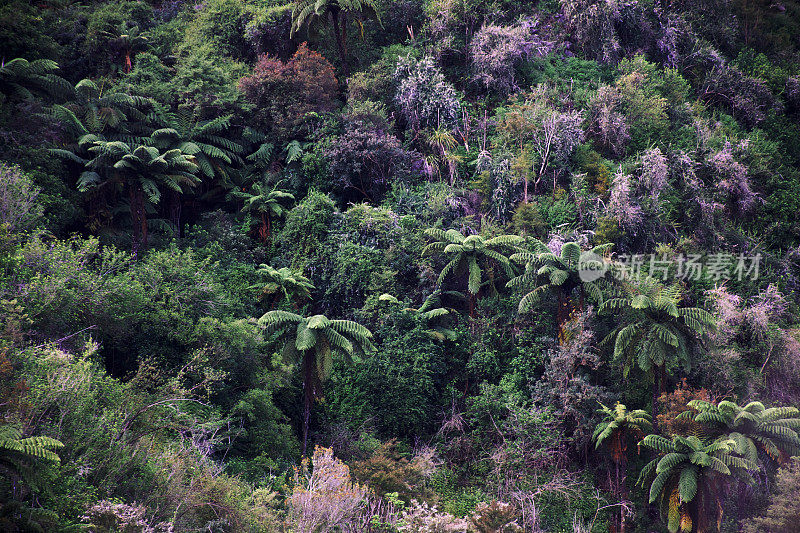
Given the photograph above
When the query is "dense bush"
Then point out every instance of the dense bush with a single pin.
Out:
(285, 92)
(504, 236)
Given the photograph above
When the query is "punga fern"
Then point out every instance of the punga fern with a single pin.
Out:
(21, 79)
(313, 341)
(306, 12)
(433, 312)
(569, 272)
(758, 432)
(655, 331)
(686, 480)
(24, 457)
(291, 283)
(617, 426)
(471, 256)
(264, 203)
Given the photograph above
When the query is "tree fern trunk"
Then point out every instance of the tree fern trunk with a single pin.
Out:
(175, 211)
(138, 218)
(308, 393)
(655, 394)
(338, 33)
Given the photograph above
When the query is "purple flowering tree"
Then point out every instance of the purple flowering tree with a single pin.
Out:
(424, 98)
(496, 50)
(607, 124)
(367, 158)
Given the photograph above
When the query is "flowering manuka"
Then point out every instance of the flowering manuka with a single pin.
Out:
(654, 174)
(496, 50)
(622, 202)
(732, 179)
(424, 97)
(607, 123)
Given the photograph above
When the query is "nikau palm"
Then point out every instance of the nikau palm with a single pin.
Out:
(564, 274)
(753, 428)
(688, 478)
(618, 425)
(313, 341)
(471, 256)
(655, 332)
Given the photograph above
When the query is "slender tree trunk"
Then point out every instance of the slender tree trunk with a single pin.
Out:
(622, 467)
(138, 218)
(175, 207)
(339, 34)
(525, 191)
(263, 230)
(561, 317)
(128, 63)
(308, 394)
(656, 394)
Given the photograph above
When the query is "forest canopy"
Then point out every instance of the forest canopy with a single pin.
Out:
(399, 266)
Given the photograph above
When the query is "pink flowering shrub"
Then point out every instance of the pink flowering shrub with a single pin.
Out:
(496, 50)
(367, 158)
(748, 329)
(110, 517)
(495, 517)
(727, 307)
(19, 210)
(756, 317)
(423, 518)
(792, 93)
(654, 177)
(622, 203)
(326, 498)
(424, 97)
(607, 124)
(748, 98)
(732, 179)
(607, 30)
(767, 308)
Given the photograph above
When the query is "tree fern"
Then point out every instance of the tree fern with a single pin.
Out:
(470, 256)
(313, 341)
(753, 428)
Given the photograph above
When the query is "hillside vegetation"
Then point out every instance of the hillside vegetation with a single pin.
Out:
(400, 266)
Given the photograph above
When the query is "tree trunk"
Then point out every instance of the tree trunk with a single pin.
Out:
(308, 394)
(339, 34)
(656, 394)
(622, 469)
(306, 397)
(263, 231)
(525, 191)
(138, 218)
(175, 207)
(562, 315)
(128, 64)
